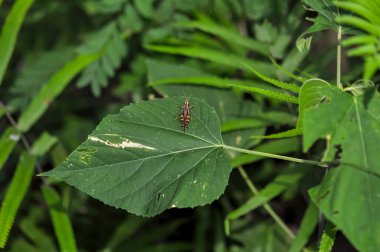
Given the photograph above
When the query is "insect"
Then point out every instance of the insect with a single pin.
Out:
(185, 114)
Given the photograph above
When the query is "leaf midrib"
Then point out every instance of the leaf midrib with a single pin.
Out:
(141, 159)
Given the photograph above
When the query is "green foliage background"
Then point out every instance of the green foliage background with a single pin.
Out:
(280, 153)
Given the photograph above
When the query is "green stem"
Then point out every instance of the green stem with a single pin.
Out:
(266, 206)
(338, 58)
(269, 155)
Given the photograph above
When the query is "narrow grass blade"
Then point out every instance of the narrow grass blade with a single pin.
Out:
(285, 134)
(213, 56)
(61, 221)
(15, 194)
(52, 89)
(43, 144)
(10, 31)
(309, 222)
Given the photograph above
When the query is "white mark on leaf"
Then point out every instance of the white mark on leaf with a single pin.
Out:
(124, 144)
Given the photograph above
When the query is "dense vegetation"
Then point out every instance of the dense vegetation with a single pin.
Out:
(276, 150)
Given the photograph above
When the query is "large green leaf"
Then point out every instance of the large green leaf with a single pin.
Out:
(141, 160)
(349, 194)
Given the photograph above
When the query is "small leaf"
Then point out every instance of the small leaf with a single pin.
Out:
(15, 194)
(310, 96)
(43, 144)
(141, 159)
(61, 222)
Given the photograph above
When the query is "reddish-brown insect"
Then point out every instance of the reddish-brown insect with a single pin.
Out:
(185, 114)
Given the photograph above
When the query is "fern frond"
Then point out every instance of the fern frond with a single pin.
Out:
(288, 86)
(268, 93)
(15, 194)
(111, 49)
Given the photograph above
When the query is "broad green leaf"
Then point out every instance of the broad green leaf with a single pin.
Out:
(141, 159)
(15, 194)
(10, 31)
(43, 144)
(309, 222)
(282, 182)
(351, 125)
(52, 89)
(8, 141)
(228, 106)
(61, 222)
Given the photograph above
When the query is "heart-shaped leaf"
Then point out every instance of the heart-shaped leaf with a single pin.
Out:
(350, 193)
(141, 159)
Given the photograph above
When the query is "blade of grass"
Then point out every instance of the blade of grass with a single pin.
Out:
(52, 89)
(308, 224)
(213, 56)
(10, 32)
(61, 222)
(15, 194)
(43, 144)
